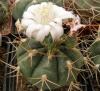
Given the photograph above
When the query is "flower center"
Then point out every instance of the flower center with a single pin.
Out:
(45, 13)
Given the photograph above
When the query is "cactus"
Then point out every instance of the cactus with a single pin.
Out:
(88, 8)
(49, 64)
(94, 50)
(23, 4)
(3, 12)
(50, 60)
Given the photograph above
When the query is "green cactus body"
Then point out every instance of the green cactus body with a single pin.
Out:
(3, 12)
(94, 50)
(49, 65)
(88, 8)
(19, 8)
(23, 4)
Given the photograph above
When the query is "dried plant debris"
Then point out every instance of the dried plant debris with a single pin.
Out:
(5, 18)
(2, 67)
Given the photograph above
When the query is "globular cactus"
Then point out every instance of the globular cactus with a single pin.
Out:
(49, 65)
(48, 58)
(94, 50)
(21, 5)
(88, 8)
(3, 11)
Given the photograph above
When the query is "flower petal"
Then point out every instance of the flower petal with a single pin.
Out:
(28, 15)
(33, 8)
(26, 22)
(62, 13)
(77, 20)
(32, 30)
(76, 27)
(58, 21)
(44, 31)
(56, 31)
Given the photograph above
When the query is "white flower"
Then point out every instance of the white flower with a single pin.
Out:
(75, 25)
(41, 19)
